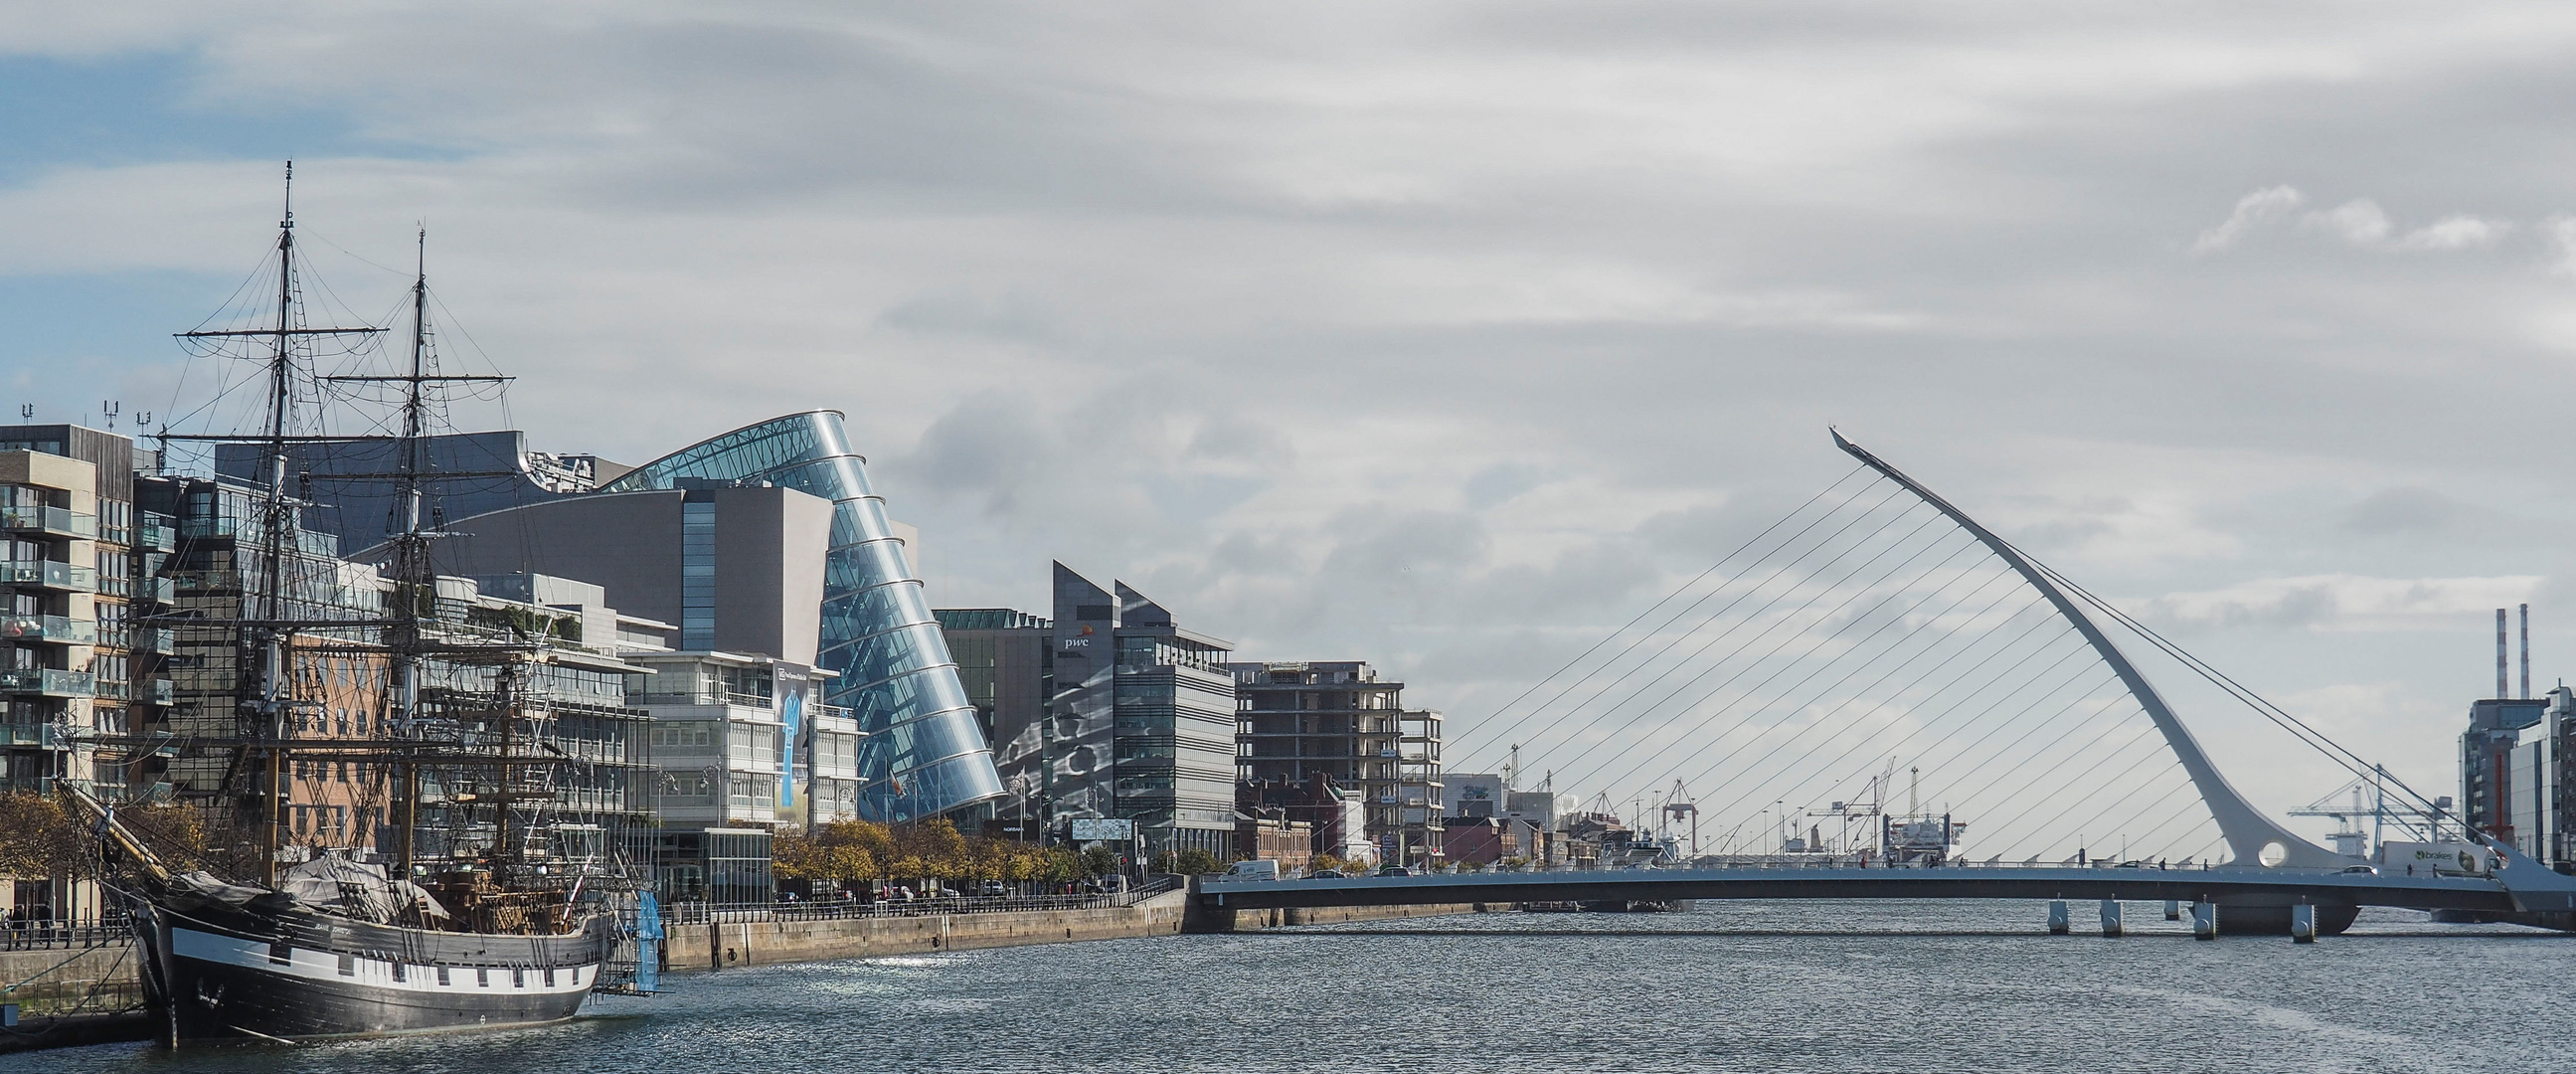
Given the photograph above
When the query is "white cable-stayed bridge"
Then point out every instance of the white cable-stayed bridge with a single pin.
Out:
(1875, 630)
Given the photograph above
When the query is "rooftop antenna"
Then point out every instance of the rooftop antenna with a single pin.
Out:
(108, 409)
(26, 412)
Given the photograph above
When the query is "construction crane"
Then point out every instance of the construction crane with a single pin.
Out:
(2367, 797)
(1678, 804)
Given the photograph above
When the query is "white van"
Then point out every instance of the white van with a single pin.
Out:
(1263, 869)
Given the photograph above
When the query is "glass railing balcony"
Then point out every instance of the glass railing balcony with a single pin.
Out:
(159, 533)
(158, 692)
(30, 734)
(51, 520)
(49, 682)
(149, 640)
(48, 628)
(49, 574)
(158, 590)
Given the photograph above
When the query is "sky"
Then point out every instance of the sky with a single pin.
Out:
(1445, 336)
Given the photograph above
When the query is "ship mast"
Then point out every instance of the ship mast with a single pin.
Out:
(266, 627)
(410, 560)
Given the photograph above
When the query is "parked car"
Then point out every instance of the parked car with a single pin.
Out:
(993, 888)
(1326, 874)
(2360, 870)
(1398, 870)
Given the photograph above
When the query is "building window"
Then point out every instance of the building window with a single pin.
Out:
(697, 576)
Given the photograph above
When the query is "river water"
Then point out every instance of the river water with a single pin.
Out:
(1972, 987)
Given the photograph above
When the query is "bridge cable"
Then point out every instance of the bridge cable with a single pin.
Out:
(1996, 654)
(2070, 704)
(1721, 663)
(1998, 728)
(1713, 767)
(1917, 680)
(1684, 587)
(2074, 777)
(1755, 616)
(1794, 635)
(2315, 739)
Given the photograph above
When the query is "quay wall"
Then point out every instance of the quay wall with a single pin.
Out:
(1256, 920)
(53, 968)
(721, 945)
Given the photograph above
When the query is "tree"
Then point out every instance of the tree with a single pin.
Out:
(38, 837)
(1099, 861)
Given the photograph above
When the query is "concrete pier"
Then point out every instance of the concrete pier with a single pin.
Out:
(2111, 918)
(2303, 923)
(2173, 909)
(2057, 917)
(2204, 921)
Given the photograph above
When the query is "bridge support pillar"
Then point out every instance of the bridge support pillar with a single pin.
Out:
(2303, 923)
(2111, 917)
(2204, 921)
(2173, 909)
(2057, 917)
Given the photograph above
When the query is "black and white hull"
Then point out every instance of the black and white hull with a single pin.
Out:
(305, 976)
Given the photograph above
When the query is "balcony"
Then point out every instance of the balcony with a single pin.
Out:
(49, 574)
(150, 640)
(157, 590)
(160, 533)
(159, 692)
(49, 736)
(51, 521)
(52, 628)
(48, 682)
(111, 690)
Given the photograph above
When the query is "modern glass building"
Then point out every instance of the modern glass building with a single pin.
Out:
(923, 754)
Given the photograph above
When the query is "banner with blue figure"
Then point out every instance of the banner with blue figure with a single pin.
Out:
(791, 711)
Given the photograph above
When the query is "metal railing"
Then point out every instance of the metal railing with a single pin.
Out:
(54, 520)
(49, 574)
(699, 913)
(17, 933)
(31, 734)
(50, 682)
(55, 628)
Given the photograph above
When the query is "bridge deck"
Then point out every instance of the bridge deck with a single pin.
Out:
(2274, 887)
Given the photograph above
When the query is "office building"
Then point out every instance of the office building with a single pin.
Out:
(2487, 762)
(1338, 720)
(463, 474)
(735, 570)
(1109, 708)
(923, 754)
(673, 540)
(1006, 661)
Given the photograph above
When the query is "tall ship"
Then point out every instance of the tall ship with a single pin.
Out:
(416, 818)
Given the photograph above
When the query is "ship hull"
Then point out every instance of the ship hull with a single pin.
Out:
(312, 977)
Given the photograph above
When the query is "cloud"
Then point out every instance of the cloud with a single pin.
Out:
(2251, 210)
(2364, 225)
(2360, 223)
(1445, 335)
(2343, 602)
(2405, 510)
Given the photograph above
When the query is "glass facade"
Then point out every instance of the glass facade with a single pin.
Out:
(923, 754)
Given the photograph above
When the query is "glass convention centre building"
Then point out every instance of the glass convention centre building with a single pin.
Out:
(923, 754)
